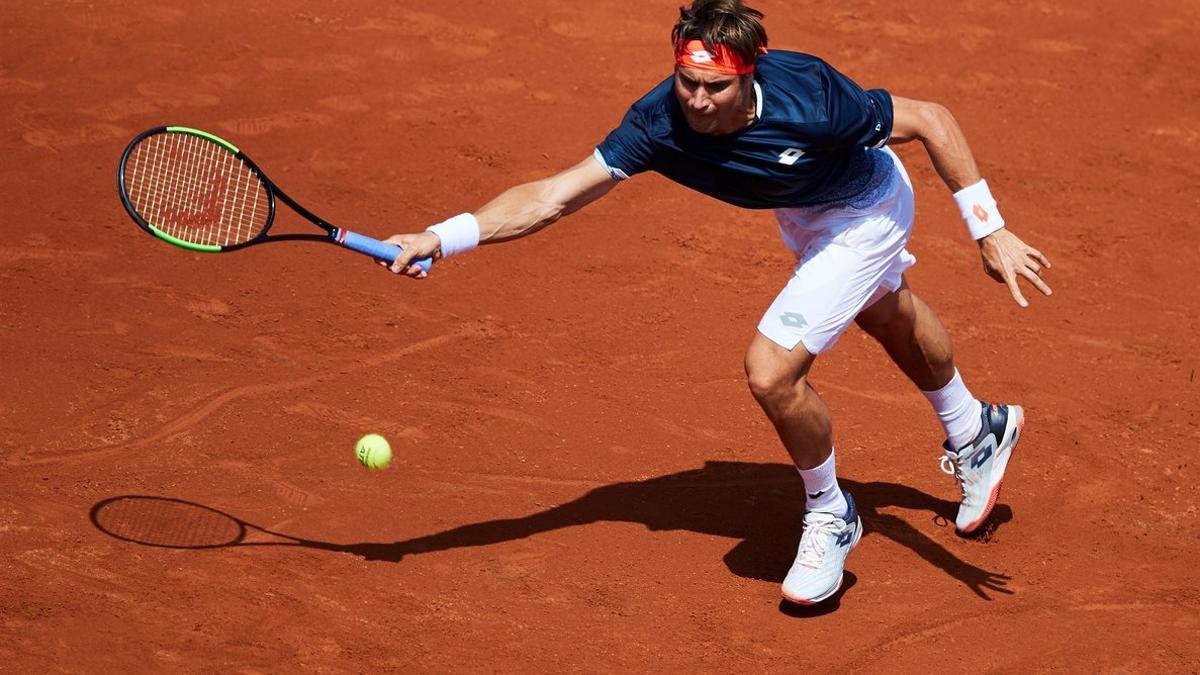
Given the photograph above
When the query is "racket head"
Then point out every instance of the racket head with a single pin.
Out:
(165, 522)
(194, 189)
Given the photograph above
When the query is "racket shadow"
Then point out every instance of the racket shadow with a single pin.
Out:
(167, 522)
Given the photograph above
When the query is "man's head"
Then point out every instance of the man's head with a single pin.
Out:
(716, 45)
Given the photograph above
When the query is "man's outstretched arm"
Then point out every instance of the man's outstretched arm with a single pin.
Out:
(1005, 256)
(516, 212)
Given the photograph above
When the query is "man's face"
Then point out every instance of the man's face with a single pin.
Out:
(713, 103)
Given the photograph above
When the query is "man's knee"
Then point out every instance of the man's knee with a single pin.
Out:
(775, 375)
(770, 384)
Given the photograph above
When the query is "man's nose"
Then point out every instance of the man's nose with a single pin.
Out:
(699, 100)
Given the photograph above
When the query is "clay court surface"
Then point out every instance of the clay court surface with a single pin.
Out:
(582, 480)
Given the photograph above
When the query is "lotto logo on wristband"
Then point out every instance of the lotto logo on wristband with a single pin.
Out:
(978, 209)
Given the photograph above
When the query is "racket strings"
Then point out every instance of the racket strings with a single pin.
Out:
(195, 190)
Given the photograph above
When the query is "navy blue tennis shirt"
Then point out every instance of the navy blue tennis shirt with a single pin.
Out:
(811, 142)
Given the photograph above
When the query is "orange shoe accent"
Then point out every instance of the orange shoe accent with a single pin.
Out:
(987, 511)
(971, 527)
(836, 588)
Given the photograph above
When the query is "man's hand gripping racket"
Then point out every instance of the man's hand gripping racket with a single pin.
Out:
(195, 190)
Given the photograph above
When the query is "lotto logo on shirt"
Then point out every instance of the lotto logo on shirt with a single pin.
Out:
(790, 156)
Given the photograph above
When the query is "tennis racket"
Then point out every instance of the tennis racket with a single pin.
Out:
(195, 190)
(165, 522)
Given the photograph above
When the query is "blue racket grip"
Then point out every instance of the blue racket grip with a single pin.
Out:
(376, 249)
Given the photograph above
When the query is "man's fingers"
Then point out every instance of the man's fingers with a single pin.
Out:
(412, 247)
(1005, 260)
(1037, 255)
(400, 263)
(1036, 280)
(415, 272)
(403, 260)
(1011, 280)
(403, 265)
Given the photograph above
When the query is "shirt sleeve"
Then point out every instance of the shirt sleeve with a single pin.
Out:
(855, 117)
(628, 148)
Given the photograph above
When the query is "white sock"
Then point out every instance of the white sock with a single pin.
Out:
(958, 410)
(822, 490)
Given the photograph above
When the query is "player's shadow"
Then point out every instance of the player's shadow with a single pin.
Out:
(762, 505)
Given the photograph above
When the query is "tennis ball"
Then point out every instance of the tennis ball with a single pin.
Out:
(373, 451)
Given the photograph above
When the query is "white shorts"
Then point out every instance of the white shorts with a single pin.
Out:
(850, 255)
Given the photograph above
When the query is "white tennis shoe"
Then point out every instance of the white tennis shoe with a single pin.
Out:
(821, 558)
(979, 466)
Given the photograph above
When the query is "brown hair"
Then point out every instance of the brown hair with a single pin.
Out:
(725, 22)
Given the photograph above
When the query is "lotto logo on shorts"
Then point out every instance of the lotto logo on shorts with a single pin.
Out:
(792, 320)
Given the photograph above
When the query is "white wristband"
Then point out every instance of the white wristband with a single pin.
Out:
(458, 234)
(978, 208)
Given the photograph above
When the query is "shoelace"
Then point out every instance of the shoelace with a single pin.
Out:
(814, 541)
(953, 466)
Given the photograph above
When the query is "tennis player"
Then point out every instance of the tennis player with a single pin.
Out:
(786, 131)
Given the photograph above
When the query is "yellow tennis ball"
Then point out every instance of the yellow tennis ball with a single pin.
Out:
(373, 451)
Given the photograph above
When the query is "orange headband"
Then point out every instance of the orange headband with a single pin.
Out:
(693, 54)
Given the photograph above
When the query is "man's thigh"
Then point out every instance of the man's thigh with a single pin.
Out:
(829, 288)
(889, 310)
